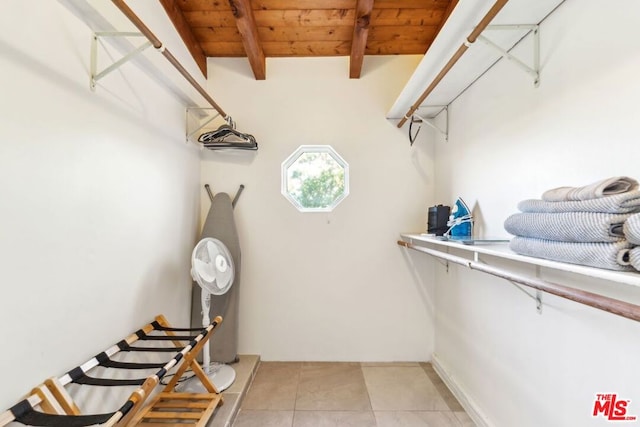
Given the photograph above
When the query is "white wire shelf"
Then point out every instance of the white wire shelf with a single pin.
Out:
(501, 250)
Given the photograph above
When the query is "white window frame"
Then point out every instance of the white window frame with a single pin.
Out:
(303, 149)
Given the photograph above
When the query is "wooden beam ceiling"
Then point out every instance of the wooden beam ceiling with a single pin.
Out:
(177, 18)
(297, 28)
(359, 39)
(246, 23)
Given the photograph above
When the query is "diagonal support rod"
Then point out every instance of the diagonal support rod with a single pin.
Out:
(135, 20)
(533, 71)
(471, 38)
(95, 75)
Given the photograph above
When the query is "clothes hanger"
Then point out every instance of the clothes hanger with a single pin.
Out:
(226, 137)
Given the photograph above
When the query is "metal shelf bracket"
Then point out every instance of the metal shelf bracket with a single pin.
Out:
(539, 301)
(602, 302)
(430, 121)
(97, 75)
(534, 71)
(197, 119)
(537, 296)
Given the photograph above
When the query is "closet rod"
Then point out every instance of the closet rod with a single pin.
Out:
(610, 305)
(120, 4)
(495, 9)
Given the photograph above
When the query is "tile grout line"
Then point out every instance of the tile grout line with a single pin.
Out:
(366, 387)
(242, 394)
(245, 391)
(298, 416)
(295, 400)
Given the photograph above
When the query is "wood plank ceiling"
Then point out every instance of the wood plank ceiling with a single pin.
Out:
(298, 28)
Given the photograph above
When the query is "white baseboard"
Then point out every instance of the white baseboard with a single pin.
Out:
(468, 404)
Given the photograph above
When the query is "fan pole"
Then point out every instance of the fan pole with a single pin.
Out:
(205, 299)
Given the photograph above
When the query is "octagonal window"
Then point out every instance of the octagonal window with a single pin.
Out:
(315, 178)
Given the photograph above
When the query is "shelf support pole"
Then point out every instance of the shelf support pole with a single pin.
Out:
(538, 294)
(416, 118)
(157, 44)
(199, 110)
(495, 9)
(95, 75)
(535, 71)
(601, 302)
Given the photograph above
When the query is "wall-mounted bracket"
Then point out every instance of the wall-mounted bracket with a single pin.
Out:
(430, 121)
(443, 263)
(198, 120)
(533, 71)
(235, 198)
(538, 293)
(537, 297)
(498, 250)
(539, 301)
(95, 75)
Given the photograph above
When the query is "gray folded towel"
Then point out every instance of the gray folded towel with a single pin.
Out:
(628, 202)
(612, 256)
(602, 188)
(634, 257)
(568, 226)
(632, 229)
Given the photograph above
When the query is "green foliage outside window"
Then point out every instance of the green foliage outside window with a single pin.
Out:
(315, 180)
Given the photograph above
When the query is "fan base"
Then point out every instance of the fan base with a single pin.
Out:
(222, 376)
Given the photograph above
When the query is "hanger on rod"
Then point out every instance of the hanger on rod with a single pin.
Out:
(226, 136)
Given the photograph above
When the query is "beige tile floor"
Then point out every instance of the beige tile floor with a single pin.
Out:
(245, 368)
(306, 394)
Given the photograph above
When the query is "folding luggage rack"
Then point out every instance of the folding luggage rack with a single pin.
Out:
(50, 404)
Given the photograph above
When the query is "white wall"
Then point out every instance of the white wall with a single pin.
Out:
(508, 142)
(99, 200)
(326, 286)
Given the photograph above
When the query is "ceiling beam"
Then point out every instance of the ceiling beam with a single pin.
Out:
(360, 34)
(246, 24)
(184, 29)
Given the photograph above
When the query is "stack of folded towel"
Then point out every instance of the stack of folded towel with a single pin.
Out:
(592, 225)
(632, 233)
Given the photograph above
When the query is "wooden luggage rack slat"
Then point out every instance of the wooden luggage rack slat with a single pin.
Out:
(179, 409)
(56, 407)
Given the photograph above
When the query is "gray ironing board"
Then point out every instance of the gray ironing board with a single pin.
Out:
(221, 225)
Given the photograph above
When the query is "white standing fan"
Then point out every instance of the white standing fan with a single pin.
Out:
(212, 268)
